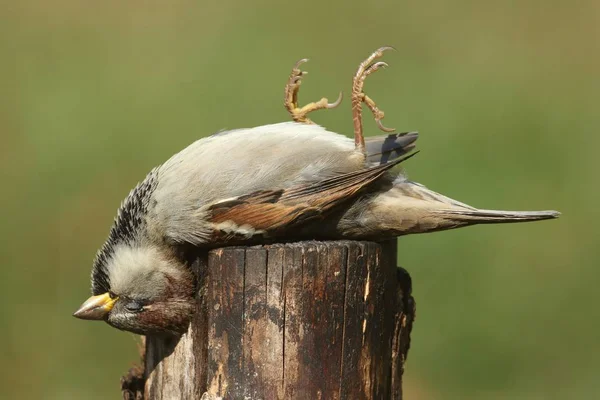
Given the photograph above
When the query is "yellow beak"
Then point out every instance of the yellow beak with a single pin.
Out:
(96, 307)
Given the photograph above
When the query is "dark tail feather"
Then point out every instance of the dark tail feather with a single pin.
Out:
(497, 216)
(383, 149)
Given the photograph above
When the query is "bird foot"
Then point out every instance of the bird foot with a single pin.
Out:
(299, 114)
(366, 68)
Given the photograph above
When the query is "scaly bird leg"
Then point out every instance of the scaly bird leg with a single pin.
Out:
(299, 114)
(365, 69)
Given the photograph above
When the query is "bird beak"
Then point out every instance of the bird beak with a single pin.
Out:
(96, 307)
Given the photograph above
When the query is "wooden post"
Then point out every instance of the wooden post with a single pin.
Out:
(307, 320)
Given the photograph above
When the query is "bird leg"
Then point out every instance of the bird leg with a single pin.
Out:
(299, 114)
(366, 68)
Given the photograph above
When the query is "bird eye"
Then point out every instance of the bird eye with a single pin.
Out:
(134, 306)
(111, 295)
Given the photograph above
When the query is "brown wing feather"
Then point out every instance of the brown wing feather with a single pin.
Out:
(271, 211)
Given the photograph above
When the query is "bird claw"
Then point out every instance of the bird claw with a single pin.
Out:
(299, 114)
(337, 102)
(382, 127)
(374, 67)
(366, 68)
(385, 48)
(300, 62)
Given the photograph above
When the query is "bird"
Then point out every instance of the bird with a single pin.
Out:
(287, 181)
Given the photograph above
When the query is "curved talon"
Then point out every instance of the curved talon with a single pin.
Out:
(337, 102)
(372, 68)
(382, 127)
(376, 66)
(385, 48)
(300, 62)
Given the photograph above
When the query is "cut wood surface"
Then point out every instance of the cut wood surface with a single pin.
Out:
(307, 320)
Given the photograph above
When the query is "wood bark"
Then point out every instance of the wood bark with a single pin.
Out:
(307, 320)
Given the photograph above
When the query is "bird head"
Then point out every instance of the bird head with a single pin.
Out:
(141, 289)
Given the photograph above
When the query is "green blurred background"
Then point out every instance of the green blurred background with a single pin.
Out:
(506, 96)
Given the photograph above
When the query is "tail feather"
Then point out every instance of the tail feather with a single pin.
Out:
(410, 208)
(496, 216)
(449, 208)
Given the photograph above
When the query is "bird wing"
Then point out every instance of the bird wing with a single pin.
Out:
(385, 148)
(269, 212)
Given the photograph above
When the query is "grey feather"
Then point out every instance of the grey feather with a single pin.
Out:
(383, 149)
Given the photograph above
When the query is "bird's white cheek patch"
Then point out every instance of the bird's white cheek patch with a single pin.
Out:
(139, 271)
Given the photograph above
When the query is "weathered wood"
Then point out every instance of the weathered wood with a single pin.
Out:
(308, 320)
